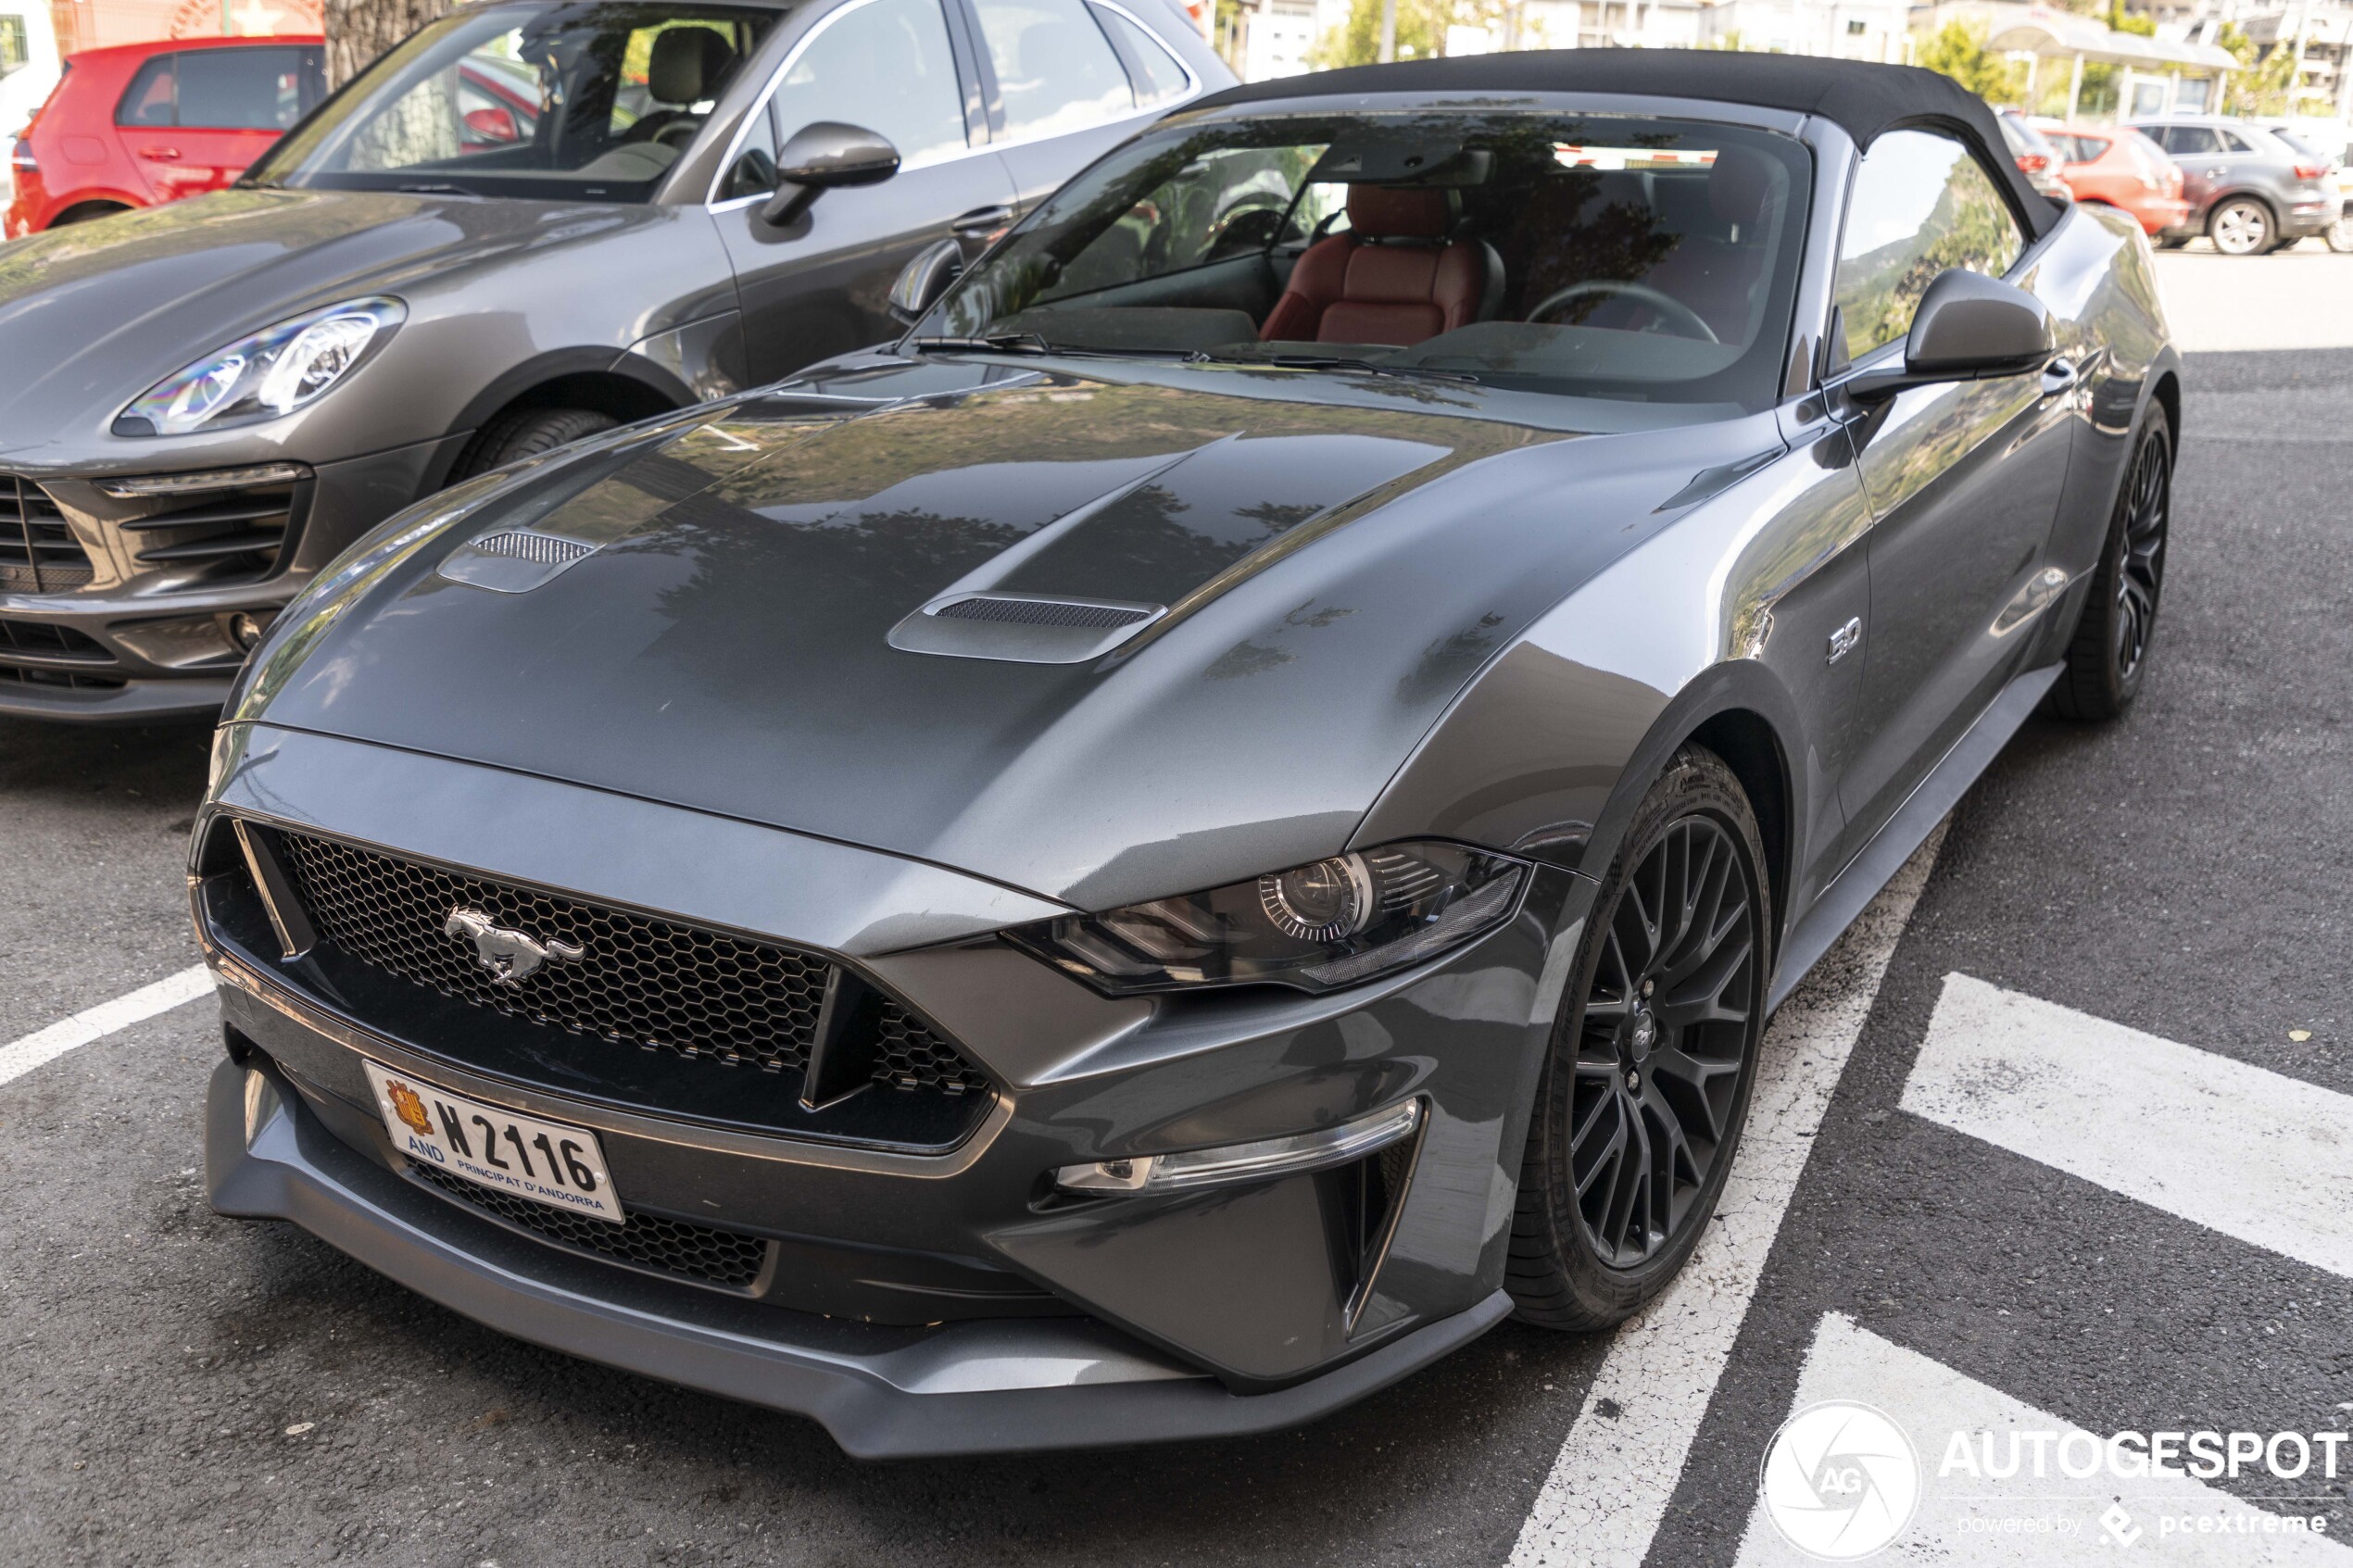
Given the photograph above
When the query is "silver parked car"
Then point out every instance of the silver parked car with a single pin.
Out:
(529, 222)
(2249, 191)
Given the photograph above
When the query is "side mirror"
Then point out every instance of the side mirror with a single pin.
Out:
(1968, 327)
(924, 278)
(821, 157)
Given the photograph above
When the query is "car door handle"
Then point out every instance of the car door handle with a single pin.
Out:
(160, 154)
(2058, 376)
(981, 223)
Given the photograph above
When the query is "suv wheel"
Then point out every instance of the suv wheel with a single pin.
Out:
(2110, 651)
(1646, 1084)
(2340, 235)
(526, 432)
(2240, 226)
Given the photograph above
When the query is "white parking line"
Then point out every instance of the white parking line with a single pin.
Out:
(2235, 1148)
(2051, 1523)
(1610, 1487)
(20, 1057)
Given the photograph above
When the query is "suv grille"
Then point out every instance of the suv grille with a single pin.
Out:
(38, 551)
(645, 981)
(674, 1247)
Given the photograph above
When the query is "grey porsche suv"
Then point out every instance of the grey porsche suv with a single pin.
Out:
(528, 222)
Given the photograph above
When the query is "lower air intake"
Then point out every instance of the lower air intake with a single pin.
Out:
(673, 1247)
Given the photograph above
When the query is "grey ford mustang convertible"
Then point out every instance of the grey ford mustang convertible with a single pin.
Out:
(1230, 811)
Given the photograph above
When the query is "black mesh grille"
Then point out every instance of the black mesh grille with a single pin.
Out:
(46, 640)
(1042, 612)
(649, 1240)
(38, 551)
(638, 981)
(59, 680)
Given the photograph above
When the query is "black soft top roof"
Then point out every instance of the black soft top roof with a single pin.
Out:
(1861, 98)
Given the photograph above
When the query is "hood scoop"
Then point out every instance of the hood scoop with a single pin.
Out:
(1022, 628)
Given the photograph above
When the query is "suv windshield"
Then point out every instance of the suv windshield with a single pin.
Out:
(1613, 256)
(566, 102)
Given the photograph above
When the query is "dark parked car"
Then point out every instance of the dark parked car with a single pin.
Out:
(529, 223)
(2036, 158)
(145, 123)
(2249, 191)
(1230, 811)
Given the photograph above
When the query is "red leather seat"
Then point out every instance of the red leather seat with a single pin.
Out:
(1395, 277)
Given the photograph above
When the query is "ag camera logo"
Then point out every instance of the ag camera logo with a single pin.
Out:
(1839, 1481)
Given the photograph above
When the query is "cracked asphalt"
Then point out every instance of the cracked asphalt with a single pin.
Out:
(186, 1389)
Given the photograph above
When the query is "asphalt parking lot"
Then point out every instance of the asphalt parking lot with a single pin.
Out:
(2158, 1251)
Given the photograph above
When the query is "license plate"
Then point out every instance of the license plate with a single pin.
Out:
(545, 1161)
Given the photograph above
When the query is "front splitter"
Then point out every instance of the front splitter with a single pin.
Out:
(1011, 1385)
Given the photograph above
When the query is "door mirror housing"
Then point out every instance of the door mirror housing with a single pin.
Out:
(924, 278)
(1968, 327)
(820, 157)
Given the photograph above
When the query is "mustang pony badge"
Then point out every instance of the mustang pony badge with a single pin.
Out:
(409, 1107)
(510, 956)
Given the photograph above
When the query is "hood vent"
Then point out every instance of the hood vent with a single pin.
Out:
(1044, 612)
(514, 561)
(1022, 628)
(544, 549)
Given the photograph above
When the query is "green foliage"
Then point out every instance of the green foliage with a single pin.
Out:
(1958, 49)
(1421, 33)
(2265, 82)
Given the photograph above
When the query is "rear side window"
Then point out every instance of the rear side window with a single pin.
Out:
(1055, 69)
(151, 99)
(2191, 139)
(887, 67)
(247, 89)
(1922, 206)
(1158, 76)
(2234, 143)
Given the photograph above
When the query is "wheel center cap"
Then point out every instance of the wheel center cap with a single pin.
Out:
(1642, 1036)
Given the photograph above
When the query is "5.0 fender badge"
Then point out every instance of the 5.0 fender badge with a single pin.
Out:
(510, 956)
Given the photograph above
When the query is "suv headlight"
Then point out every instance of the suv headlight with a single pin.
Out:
(270, 373)
(1329, 923)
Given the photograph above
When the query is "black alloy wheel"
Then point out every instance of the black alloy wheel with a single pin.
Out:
(2109, 655)
(1647, 1085)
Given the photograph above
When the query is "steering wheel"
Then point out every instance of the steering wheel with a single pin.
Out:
(1678, 318)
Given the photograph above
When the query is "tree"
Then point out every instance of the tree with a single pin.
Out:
(2264, 82)
(357, 30)
(1421, 30)
(1958, 50)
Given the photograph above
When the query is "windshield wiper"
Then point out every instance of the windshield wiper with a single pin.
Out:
(1002, 343)
(1341, 362)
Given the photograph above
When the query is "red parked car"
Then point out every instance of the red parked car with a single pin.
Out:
(2119, 166)
(146, 123)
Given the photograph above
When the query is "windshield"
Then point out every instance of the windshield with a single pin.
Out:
(565, 103)
(1613, 256)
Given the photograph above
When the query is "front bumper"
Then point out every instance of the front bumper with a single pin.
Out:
(129, 640)
(1199, 1308)
(971, 1387)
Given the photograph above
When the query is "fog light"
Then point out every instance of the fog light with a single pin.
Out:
(1254, 1161)
(248, 627)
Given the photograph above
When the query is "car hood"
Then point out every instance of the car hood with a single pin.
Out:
(93, 314)
(1339, 556)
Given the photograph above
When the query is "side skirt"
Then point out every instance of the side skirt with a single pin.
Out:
(1937, 794)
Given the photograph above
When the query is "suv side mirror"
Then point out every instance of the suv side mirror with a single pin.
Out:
(821, 157)
(1968, 327)
(924, 278)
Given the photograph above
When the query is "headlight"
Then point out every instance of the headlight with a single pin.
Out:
(270, 373)
(1329, 923)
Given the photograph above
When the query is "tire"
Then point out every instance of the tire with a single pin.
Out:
(1621, 1080)
(88, 212)
(2340, 235)
(2108, 655)
(526, 432)
(2240, 226)
(2172, 242)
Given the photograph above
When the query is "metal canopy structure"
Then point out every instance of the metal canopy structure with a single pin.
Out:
(2057, 35)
